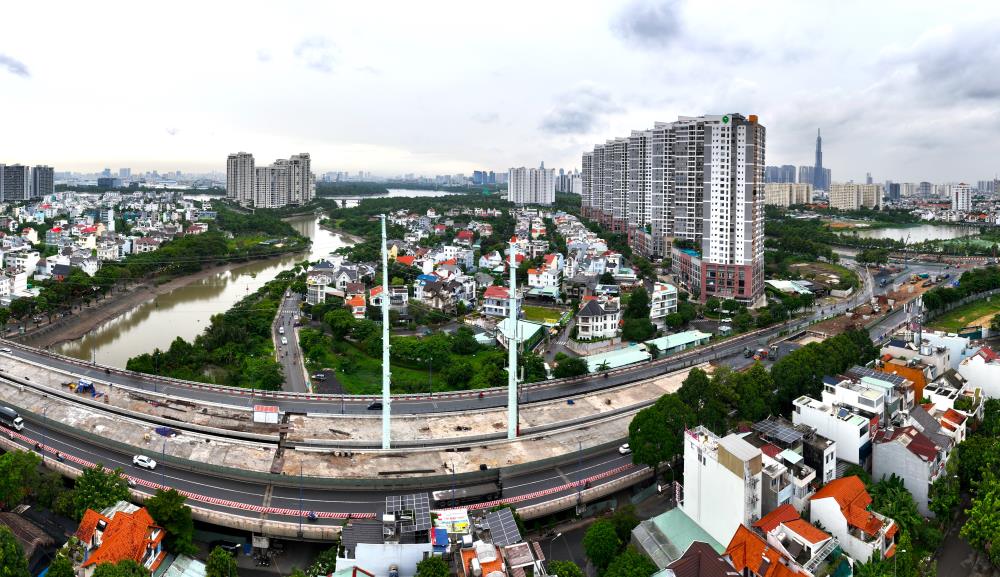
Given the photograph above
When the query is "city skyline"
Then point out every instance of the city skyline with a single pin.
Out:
(449, 104)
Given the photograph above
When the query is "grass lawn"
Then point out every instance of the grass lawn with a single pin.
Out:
(964, 316)
(366, 376)
(542, 314)
(817, 270)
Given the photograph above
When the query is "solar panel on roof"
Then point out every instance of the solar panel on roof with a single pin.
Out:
(782, 433)
(418, 506)
(503, 527)
(887, 377)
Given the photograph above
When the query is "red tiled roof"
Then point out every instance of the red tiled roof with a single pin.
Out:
(853, 500)
(449, 261)
(496, 292)
(376, 290)
(891, 551)
(357, 301)
(988, 354)
(771, 450)
(89, 524)
(127, 536)
(915, 441)
(780, 515)
(954, 416)
(406, 259)
(533, 271)
(806, 531)
(892, 530)
(465, 234)
(748, 551)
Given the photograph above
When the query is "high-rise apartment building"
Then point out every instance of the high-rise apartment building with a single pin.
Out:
(15, 182)
(787, 194)
(42, 181)
(531, 185)
(271, 185)
(124, 173)
(820, 175)
(783, 173)
(285, 182)
(240, 178)
(699, 179)
(961, 197)
(850, 196)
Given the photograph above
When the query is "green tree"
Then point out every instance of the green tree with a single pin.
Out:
(605, 278)
(464, 342)
(220, 563)
(625, 518)
(12, 561)
(324, 563)
(944, 495)
(637, 329)
(433, 567)
(571, 367)
(61, 566)
(564, 569)
(990, 426)
(982, 529)
(631, 563)
(340, 322)
(656, 434)
(123, 568)
(18, 475)
(169, 511)
(712, 304)
(98, 488)
(638, 304)
(601, 543)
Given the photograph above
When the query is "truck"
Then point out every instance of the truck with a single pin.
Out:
(11, 419)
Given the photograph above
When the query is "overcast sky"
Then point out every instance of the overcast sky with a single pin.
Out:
(909, 91)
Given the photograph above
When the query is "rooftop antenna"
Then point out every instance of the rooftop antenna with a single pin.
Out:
(385, 342)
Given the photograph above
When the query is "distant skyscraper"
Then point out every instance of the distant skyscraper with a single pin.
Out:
(271, 185)
(124, 173)
(240, 178)
(787, 173)
(106, 173)
(961, 197)
(925, 189)
(772, 174)
(302, 182)
(42, 181)
(806, 175)
(868, 178)
(819, 175)
(15, 182)
(531, 185)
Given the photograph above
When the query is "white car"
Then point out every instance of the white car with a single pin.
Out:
(284, 340)
(6, 350)
(625, 449)
(144, 462)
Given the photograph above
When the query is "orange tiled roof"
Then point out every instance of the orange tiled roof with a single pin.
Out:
(780, 515)
(469, 554)
(891, 551)
(954, 416)
(376, 290)
(89, 524)
(807, 531)
(406, 259)
(747, 550)
(127, 536)
(854, 500)
(357, 301)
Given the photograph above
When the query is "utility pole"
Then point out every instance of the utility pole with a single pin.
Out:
(512, 417)
(385, 341)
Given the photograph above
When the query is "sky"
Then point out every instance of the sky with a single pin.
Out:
(908, 91)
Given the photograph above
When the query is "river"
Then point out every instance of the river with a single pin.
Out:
(919, 233)
(352, 201)
(186, 311)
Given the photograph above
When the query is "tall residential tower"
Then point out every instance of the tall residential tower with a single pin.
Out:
(700, 180)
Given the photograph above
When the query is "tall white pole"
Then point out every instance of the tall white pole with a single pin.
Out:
(385, 342)
(512, 350)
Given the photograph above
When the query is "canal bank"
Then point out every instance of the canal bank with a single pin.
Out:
(153, 318)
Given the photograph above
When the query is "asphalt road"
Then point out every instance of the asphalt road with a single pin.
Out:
(286, 345)
(290, 497)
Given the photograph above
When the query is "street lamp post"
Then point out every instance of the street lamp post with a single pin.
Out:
(163, 474)
(300, 498)
(558, 535)
(44, 431)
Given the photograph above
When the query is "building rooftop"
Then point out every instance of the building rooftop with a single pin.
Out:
(617, 358)
(667, 536)
(668, 342)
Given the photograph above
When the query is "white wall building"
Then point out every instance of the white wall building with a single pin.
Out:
(722, 478)
(851, 432)
(531, 185)
(598, 320)
(982, 371)
(662, 302)
(850, 196)
(786, 194)
(961, 197)
(841, 508)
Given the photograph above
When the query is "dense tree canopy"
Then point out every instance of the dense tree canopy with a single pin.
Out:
(12, 561)
(98, 488)
(169, 511)
(601, 543)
